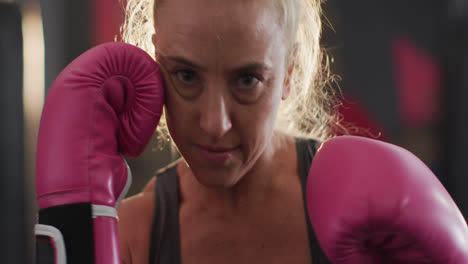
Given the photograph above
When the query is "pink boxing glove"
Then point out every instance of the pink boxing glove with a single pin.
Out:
(107, 102)
(371, 202)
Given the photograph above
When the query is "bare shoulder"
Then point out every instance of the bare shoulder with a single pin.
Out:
(134, 226)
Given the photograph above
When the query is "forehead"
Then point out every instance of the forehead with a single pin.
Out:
(227, 27)
(217, 14)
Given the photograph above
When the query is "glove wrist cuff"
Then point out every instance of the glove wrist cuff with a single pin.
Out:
(103, 210)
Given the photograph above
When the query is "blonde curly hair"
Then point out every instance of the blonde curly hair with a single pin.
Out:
(310, 110)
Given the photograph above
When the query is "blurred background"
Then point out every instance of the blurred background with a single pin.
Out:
(402, 67)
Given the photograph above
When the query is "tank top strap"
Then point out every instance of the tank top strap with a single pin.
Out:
(165, 237)
(306, 149)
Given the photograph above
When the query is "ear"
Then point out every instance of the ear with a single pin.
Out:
(153, 38)
(287, 79)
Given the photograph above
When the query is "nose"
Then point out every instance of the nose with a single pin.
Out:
(215, 118)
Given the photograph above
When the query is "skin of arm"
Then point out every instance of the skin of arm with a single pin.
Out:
(135, 220)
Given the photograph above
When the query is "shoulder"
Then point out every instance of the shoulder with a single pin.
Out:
(311, 141)
(307, 147)
(134, 225)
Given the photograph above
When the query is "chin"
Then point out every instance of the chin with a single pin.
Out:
(215, 178)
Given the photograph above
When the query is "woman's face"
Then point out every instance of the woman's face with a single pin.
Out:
(225, 76)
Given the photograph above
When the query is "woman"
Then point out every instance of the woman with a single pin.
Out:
(244, 83)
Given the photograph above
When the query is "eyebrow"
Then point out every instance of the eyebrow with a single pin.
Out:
(248, 67)
(184, 61)
(252, 67)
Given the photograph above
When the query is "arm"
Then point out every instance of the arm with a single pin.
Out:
(134, 225)
(103, 105)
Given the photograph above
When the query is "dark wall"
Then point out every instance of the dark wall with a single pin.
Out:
(13, 227)
(455, 156)
(405, 64)
(67, 28)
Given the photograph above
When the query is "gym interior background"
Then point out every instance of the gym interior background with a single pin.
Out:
(402, 67)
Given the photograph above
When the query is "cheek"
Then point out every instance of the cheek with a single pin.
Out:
(272, 101)
(177, 114)
(258, 120)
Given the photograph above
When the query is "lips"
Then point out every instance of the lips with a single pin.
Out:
(216, 149)
(216, 154)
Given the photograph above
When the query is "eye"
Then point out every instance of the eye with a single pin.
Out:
(247, 81)
(187, 77)
(187, 82)
(247, 87)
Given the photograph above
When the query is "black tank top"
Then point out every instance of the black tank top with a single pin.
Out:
(165, 237)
